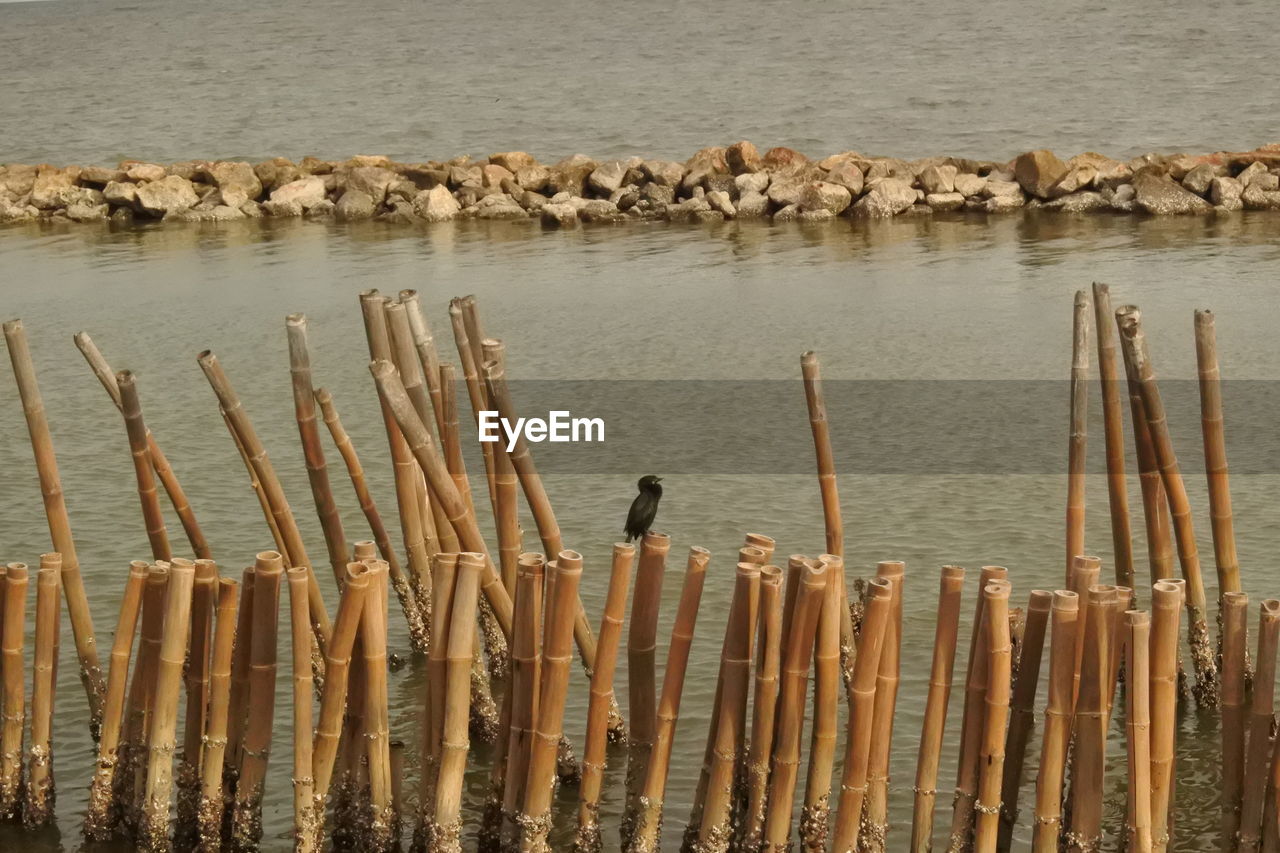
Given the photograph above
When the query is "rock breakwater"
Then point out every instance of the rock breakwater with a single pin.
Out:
(723, 182)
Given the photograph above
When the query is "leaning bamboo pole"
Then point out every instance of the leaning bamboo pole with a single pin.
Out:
(1235, 644)
(951, 587)
(875, 812)
(153, 832)
(38, 807)
(454, 742)
(1166, 606)
(306, 820)
(1109, 375)
(246, 821)
(255, 484)
(333, 697)
(55, 509)
(1215, 455)
(594, 756)
(131, 780)
(1023, 709)
(1202, 653)
(986, 828)
(642, 644)
(1088, 758)
(136, 429)
(1078, 436)
(477, 394)
(877, 624)
(1058, 716)
(1262, 707)
(214, 741)
(99, 822)
(377, 736)
(425, 344)
(204, 599)
(648, 827)
(14, 704)
(238, 693)
(159, 462)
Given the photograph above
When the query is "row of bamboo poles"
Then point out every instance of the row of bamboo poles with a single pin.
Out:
(497, 639)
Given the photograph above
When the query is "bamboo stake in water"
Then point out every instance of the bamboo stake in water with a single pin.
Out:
(38, 809)
(1258, 757)
(306, 821)
(1138, 724)
(588, 839)
(14, 704)
(197, 675)
(212, 797)
(1088, 765)
(1235, 643)
(1109, 375)
(324, 747)
(377, 736)
(153, 833)
(238, 694)
(1202, 654)
(1215, 455)
(1085, 573)
(55, 509)
(425, 344)
(526, 650)
(935, 710)
(132, 780)
(1023, 711)
(1057, 721)
(646, 837)
(764, 706)
(454, 741)
(152, 514)
(1166, 605)
(875, 813)
(1078, 436)
(986, 828)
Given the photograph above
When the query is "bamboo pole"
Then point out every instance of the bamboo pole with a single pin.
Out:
(377, 736)
(1084, 574)
(524, 691)
(594, 757)
(995, 727)
(443, 582)
(1262, 707)
(38, 808)
(204, 599)
(1088, 762)
(1109, 376)
(100, 819)
(877, 624)
(333, 698)
(55, 509)
(1138, 724)
(164, 471)
(152, 514)
(1023, 709)
(451, 442)
(1166, 605)
(764, 706)
(1058, 716)
(396, 749)
(875, 816)
(295, 553)
(210, 808)
(454, 742)
(153, 833)
(238, 694)
(429, 357)
(1215, 455)
(1078, 437)
(1202, 654)
(141, 702)
(950, 589)
(1123, 602)
(1235, 643)
(306, 820)
(246, 821)
(648, 828)
(14, 705)
(255, 484)
(642, 644)
(477, 394)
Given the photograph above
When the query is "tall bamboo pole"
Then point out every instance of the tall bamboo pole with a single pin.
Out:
(647, 831)
(1088, 765)
(164, 471)
(1215, 455)
(526, 674)
(443, 581)
(454, 742)
(333, 698)
(1138, 725)
(764, 706)
(1110, 378)
(425, 344)
(1023, 710)
(875, 814)
(55, 509)
(152, 514)
(1258, 757)
(1235, 643)
(477, 394)
(306, 821)
(1166, 605)
(1078, 437)
(588, 838)
(38, 808)
(132, 779)
(1084, 574)
(377, 735)
(1058, 716)
(1202, 654)
(14, 704)
(995, 725)
(238, 693)
(209, 812)
(197, 674)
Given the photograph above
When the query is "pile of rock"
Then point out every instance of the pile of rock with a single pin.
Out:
(734, 182)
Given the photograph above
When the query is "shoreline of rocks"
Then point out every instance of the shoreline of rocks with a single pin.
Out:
(722, 182)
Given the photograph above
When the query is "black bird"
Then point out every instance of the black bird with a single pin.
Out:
(644, 508)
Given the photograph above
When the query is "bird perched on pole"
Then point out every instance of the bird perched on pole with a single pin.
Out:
(644, 508)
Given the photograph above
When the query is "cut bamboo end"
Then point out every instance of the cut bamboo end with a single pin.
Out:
(995, 724)
(38, 808)
(1138, 729)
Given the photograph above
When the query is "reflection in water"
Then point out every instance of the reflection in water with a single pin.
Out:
(943, 297)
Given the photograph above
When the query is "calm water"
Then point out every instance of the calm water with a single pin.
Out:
(948, 299)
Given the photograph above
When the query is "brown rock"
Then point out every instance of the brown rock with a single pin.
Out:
(237, 182)
(52, 185)
(1038, 171)
(570, 174)
(743, 157)
(664, 173)
(121, 194)
(436, 204)
(847, 174)
(98, 176)
(492, 175)
(18, 178)
(533, 177)
(780, 159)
(354, 204)
(820, 195)
(168, 195)
(885, 197)
(513, 161)
(145, 172)
(938, 179)
(1159, 195)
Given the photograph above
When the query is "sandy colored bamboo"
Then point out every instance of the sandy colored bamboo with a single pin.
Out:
(648, 828)
(1123, 602)
(153, 833)
(38, 808)
(594, 755)
(131, 779)
(764, 706)
(1085, 573)
(1215, 455)
(875, 814)
(1235, 644)
(946, 631)
(238, 696)
(55, 509)
(204, 599)
(1262, 707)
(306, 821)
(443, 583)
(1088, 757)
(377, 735)
(246, 821)
(451, 443)
(14, 704)
(1058, 716)
(144, 473)
(526, 660)
(428, 355)
(477, 394)
(333, 698)
(642, 644)
(1022, 712)
(1166, 617)
(1110, 377)
(986, 828)
(454, 741)
(1202, 653)
(159, 462)
(1078, 435)
(255, 484)
(214, 740)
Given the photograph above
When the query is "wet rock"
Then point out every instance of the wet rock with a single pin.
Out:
(1159, 195)
(315, 166)
(598, 210)
(1223, 189)
(424, 177)
(721, 183)
(399, 213)
(237, 182)
(816, 215)
(968, 184)
(742, 157)
(570, 174)
(145, 172)
(18, 179)
(1002, 189)
(688, 209)
(1267, 182)
(465, 176)
(1079, 202)
(493, 175)
(1122, 199)
(664, 173)
(1199, 179)
(533, 177)
(11, 211)
(708, 161)
(1112, 174)
(1004, 203)
(752, 204)
(320, 209)
(498, 206)
(252, 210)
(531, 201)
(1228, 206)
(559, 215)
(944, 201)
(513, 161)
(783, 159)
(85, 210)
(295, 197)
(658, 193)
(1037, 172)
(402, 190)
(276, 173)
(436, 204)
(847, 174)
(51, 186)
(169, 195)
(790, 213)
(756, 182)
(884, 198)
(1255, 197)
(607, 178)
(373, 181)
(719, 200)
(785, 191)
(1249, 172)
(1077, 178)
(629, 199)
(121, 194)
(938, 180)
(820, 195)
(98, 176)
(354, 204)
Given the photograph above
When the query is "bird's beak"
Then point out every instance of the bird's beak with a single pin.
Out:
(657, 479)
